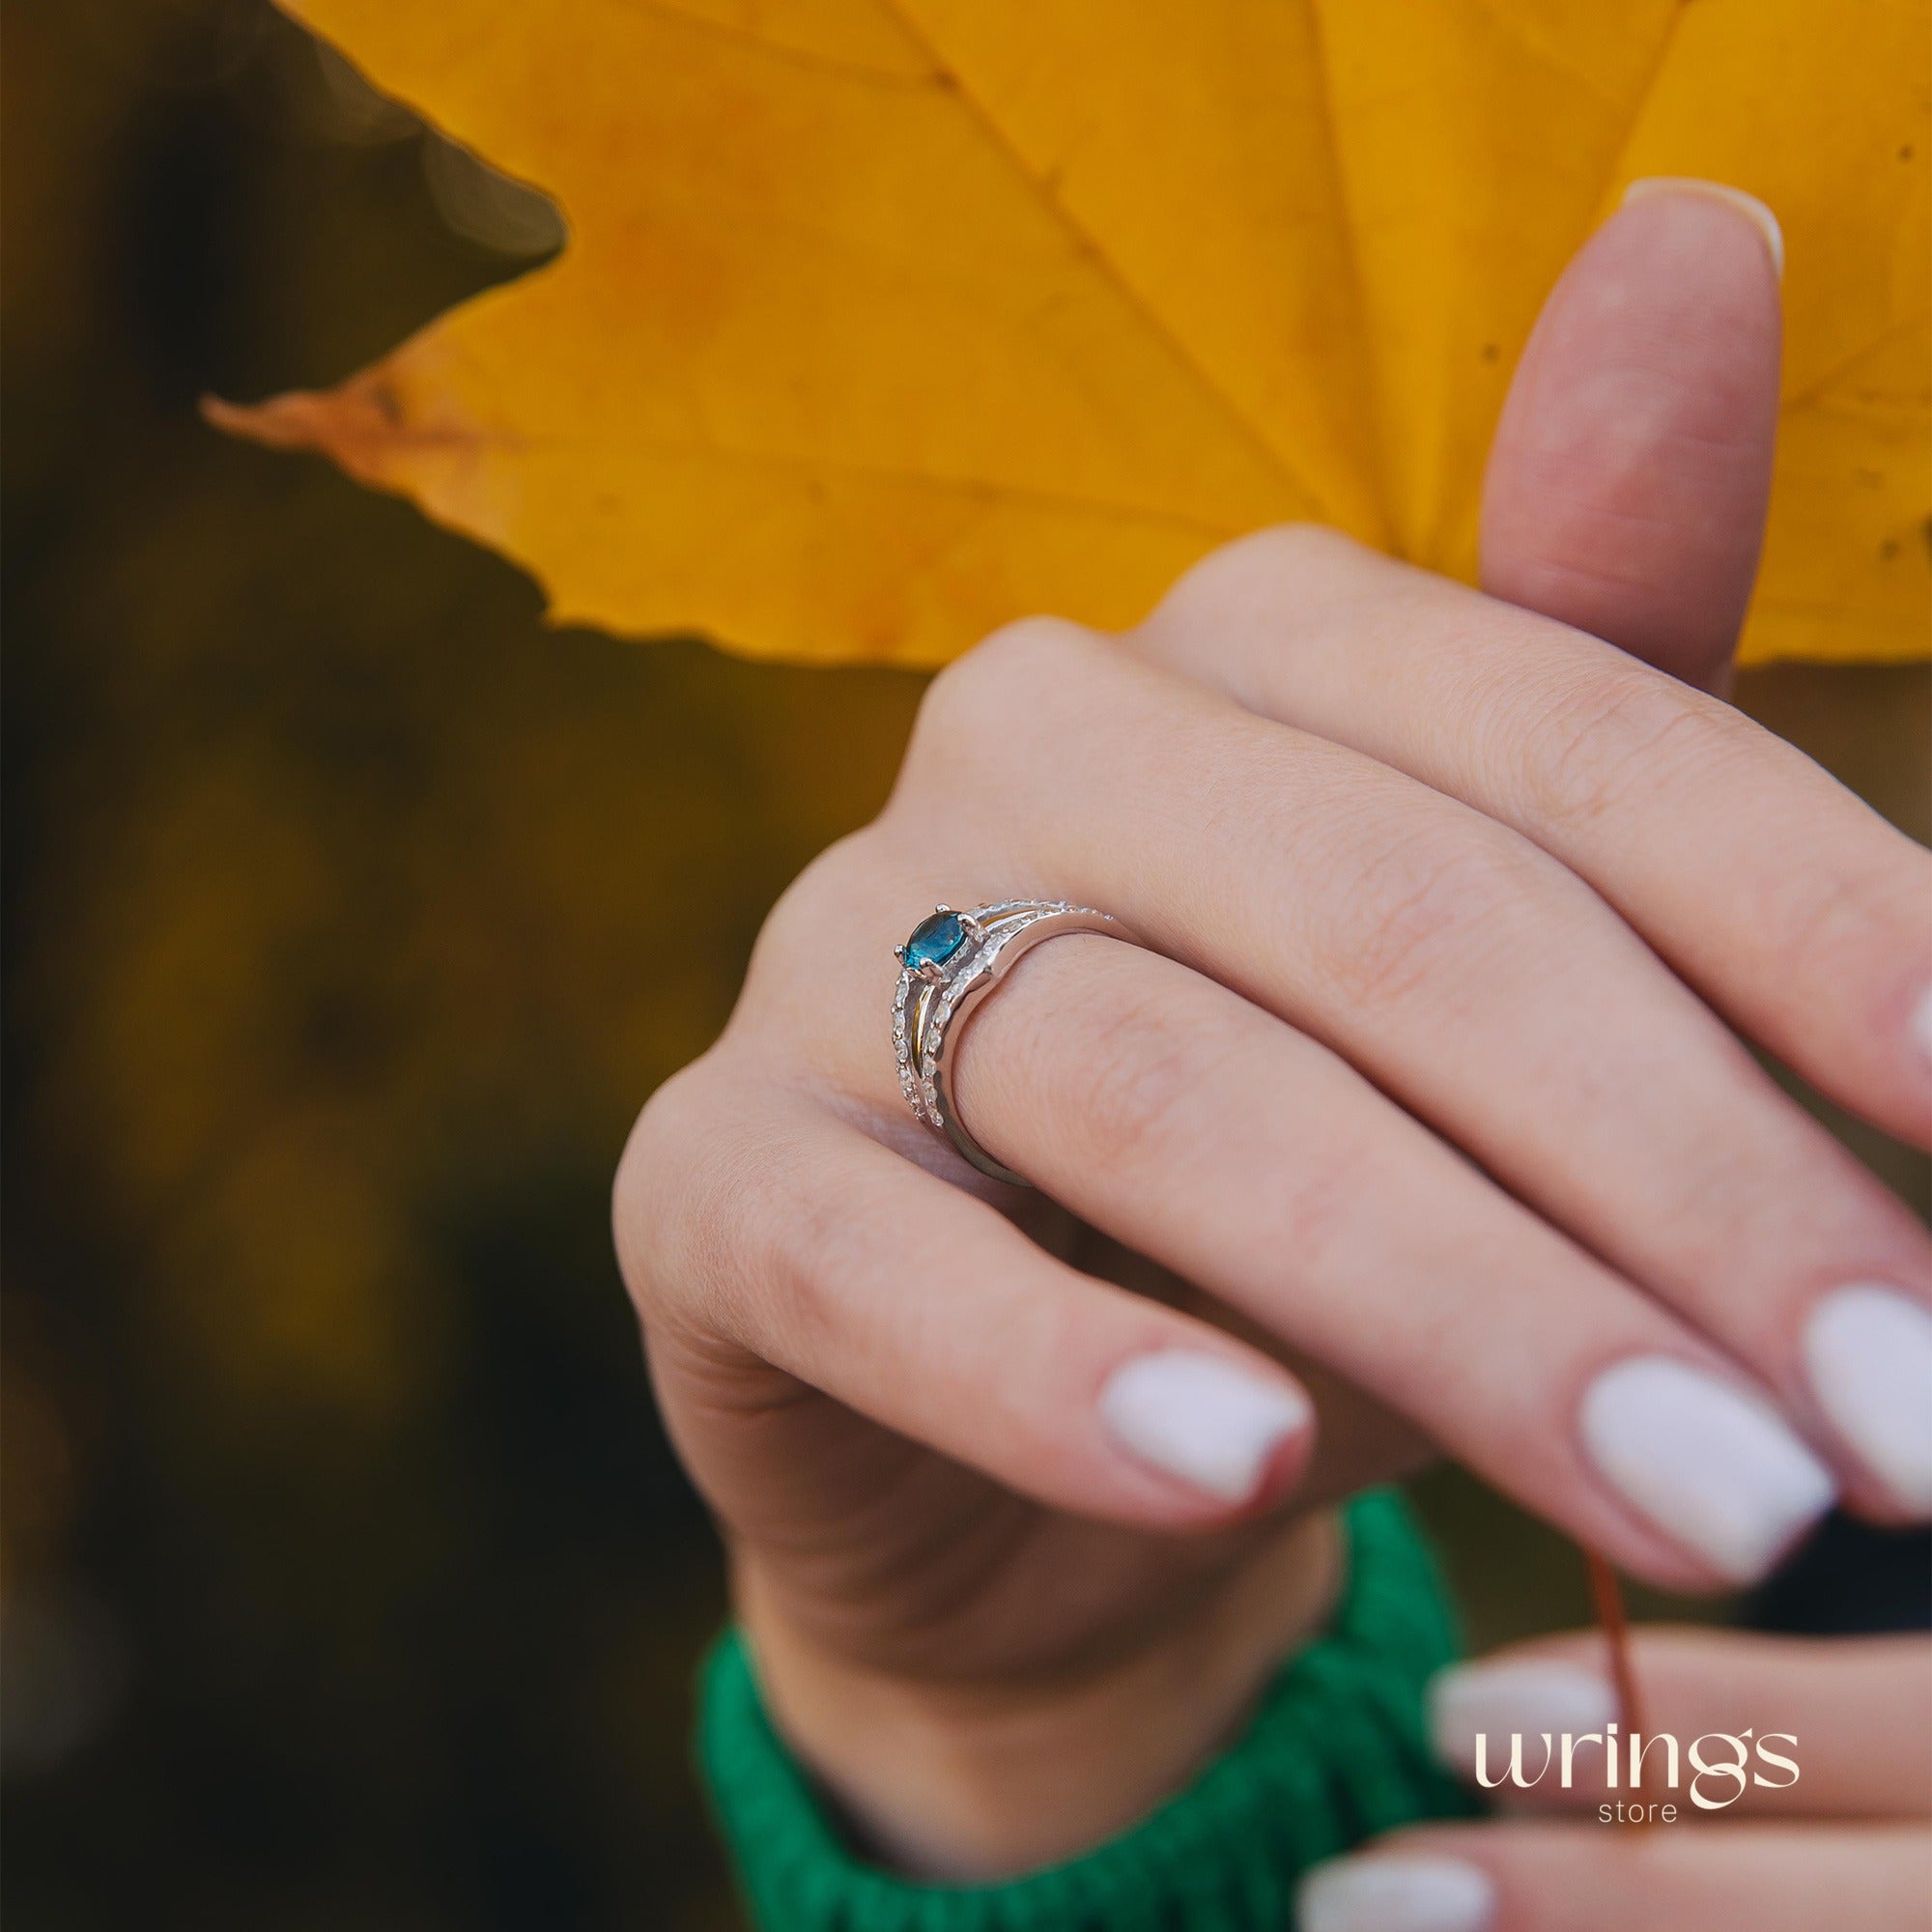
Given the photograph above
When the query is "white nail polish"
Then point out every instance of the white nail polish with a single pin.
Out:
(1748, 204)
(1869, 1353)
(1531, 1695)
(1710, 1465)
(1396, 1894)
(1199, 1417)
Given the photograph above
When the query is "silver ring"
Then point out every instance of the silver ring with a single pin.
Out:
(948, 965)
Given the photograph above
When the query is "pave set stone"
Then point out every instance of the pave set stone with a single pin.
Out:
(923, 1008)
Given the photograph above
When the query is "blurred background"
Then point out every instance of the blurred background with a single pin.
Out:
(351, 914)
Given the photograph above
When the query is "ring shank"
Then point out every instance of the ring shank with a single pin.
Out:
(940, 1013)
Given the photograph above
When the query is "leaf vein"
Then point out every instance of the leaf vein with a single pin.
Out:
(1091, 243)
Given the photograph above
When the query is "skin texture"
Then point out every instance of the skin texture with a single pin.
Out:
(1401, 1104)
(1848, 1844)
(1621, 497)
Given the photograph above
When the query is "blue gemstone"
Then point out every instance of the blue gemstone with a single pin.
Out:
(934, 939)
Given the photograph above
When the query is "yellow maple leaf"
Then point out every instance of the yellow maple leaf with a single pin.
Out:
(881, 321)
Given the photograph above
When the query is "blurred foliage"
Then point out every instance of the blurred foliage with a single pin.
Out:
(349, 915)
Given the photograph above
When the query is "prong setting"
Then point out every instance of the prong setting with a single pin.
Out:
(952, 962)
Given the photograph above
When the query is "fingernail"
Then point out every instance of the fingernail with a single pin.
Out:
(1707, 1465)
(1199, 1417)
(1869, 1353)
(1497, 1700)
(1748, 204)
(1395, 1895)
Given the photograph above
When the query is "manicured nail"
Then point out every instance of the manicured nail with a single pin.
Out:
(1748, 204)
(1870, 1351)
(1707, 1465)
(1395, 1895)
(1497, 1700)
(1199, 1417)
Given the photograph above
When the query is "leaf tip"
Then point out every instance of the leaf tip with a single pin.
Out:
(361, 424)
(291, 422)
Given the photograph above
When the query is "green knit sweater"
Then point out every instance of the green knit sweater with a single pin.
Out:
(1335, 1752)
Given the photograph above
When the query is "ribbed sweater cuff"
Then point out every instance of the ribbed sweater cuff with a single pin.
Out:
(1335, 1752)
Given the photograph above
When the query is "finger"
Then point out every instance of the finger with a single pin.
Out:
(1258, 1165)
(755, 1219)
(1486, 988)
(1793, 907)
(1851, 1717)
(1632, 464)
(1598, 1877)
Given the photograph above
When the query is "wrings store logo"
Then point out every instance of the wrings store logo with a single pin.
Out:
(1721, 1765)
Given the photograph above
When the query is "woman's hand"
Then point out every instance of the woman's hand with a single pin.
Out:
(1423, 1102)
(1830, 1795)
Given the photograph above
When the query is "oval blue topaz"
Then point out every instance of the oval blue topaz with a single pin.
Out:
(934, 940)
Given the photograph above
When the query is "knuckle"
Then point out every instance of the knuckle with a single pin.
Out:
(1148, 1087)
(807, 1240)
(803, 1231)
(1266, 561)
(1129, 1097)
(1711, 1194)
(982, 697)
(1322, 1192)
(841, 879)
(1822, 924)
(1255, 572)
(1171, 1091)
(1616, 732)
(722, 1228)
(1429, 912)
(1035, 650)
(650, 1193)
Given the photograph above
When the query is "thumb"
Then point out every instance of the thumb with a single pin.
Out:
(1627, 480)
